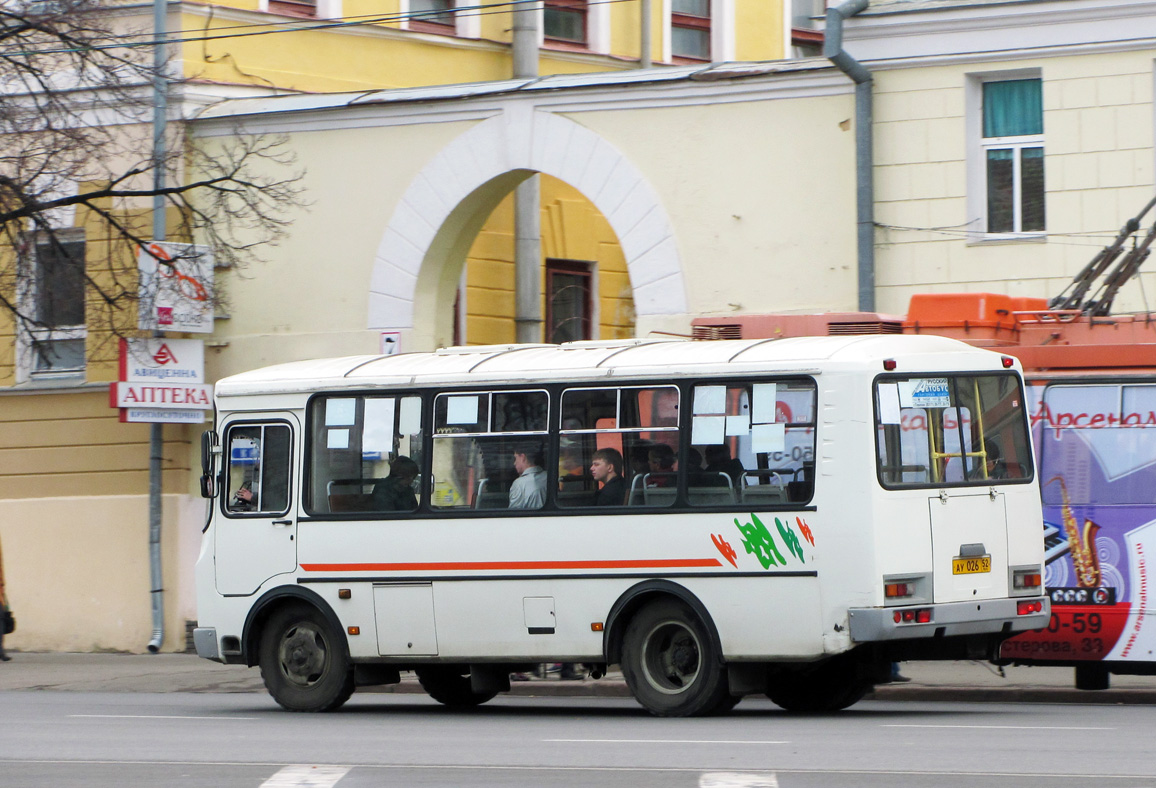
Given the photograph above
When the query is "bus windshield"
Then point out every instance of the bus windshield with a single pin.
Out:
(949, 430)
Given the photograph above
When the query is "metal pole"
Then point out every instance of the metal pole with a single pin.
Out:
(527, 198)
(645, 60)
(156, 430)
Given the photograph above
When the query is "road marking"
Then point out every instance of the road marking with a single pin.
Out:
(154, 717)
(660, 741)
(1004, 727)
(1136, 779)
(307, 777)
(738, 780)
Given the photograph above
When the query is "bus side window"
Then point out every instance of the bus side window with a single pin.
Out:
(365, 454)
(260, 459)
(477, 438)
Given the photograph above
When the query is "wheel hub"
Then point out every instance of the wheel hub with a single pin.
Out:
(302, 655)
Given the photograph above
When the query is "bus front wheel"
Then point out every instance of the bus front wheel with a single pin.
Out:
(670, 663)
(303, 664)
(450, 686)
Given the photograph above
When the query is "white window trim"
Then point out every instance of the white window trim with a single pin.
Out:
(976, 158)
(26, 337)
(722, 31)
(598, 28)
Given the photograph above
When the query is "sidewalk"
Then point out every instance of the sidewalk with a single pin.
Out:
(938, 681)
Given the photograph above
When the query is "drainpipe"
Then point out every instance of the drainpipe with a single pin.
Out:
(156, 431)
(864, 157)
(527, 197)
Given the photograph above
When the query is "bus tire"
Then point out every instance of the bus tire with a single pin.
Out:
(450, 686)
(830, 686)
(1092, 677)
(670, 663)
(304, 664)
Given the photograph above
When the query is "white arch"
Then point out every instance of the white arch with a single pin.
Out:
(523, 139)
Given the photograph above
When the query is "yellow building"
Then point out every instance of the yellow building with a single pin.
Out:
(74, 481)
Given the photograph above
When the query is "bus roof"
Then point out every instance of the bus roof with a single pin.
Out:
(613, 360)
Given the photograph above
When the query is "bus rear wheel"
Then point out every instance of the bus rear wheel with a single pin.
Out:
(830, 686)
(670, 663)
(450, 686)
(303, 663)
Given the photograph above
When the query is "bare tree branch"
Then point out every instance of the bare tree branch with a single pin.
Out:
(77, 157)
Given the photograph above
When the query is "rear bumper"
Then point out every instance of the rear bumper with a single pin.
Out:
(989, 616)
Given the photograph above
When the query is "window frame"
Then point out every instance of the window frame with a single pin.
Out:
(697, 23)
(978, 191)
(431, 22)
(31, 337)
(583, 269)
(580, 8)
(308, 506)
(1027, 460)
(227, 464)
(550, 438)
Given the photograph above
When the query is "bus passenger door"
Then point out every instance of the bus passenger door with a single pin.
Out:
(256, 527)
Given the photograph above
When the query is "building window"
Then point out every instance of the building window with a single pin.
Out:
(55, 345)
(564, 21)
(294, 7)
(569, 302)
(1013, 155)
(432, 16)
(690, 29)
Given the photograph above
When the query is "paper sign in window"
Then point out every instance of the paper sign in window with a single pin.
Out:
(710, 400)
(462, 410)
(340, 412)
(738, 426)
(378, 434)
(889, 403)
(708, 430)
(410, 419)
(766, 397)
(768, 438)
(337, 439)
(924, 393)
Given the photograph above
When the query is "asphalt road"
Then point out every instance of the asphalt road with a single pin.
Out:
(97, 739)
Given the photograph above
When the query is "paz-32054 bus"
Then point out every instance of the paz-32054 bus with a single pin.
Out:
(718, 518)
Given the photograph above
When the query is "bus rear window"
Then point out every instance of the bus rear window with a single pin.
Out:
(951, 430)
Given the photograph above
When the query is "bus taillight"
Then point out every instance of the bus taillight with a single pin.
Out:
(1029, 606)
(1023, 580)
(898, 590)
(913, 616)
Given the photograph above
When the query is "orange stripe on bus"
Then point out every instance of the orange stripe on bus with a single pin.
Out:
(656, 563)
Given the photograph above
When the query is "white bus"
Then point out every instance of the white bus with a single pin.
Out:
(787, 517)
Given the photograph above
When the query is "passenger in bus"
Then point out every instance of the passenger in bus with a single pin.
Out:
(244, 499)
(661, 462)
(395, 492)
(529, 490)
(719, 460)
(606, 467)
(640, 458)
(993, 466)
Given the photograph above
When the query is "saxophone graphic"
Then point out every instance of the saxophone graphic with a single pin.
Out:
(1081, 542)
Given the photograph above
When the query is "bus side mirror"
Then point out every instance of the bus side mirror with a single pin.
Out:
(208, 449)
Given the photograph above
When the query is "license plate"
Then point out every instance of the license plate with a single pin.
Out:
(973, 565)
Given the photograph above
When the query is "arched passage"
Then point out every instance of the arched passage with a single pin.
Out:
(426, 241)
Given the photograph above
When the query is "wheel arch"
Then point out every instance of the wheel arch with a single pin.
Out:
(634, 598)
(273, 600)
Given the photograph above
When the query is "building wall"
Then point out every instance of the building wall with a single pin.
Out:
(572, 229)
(1099, 142)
